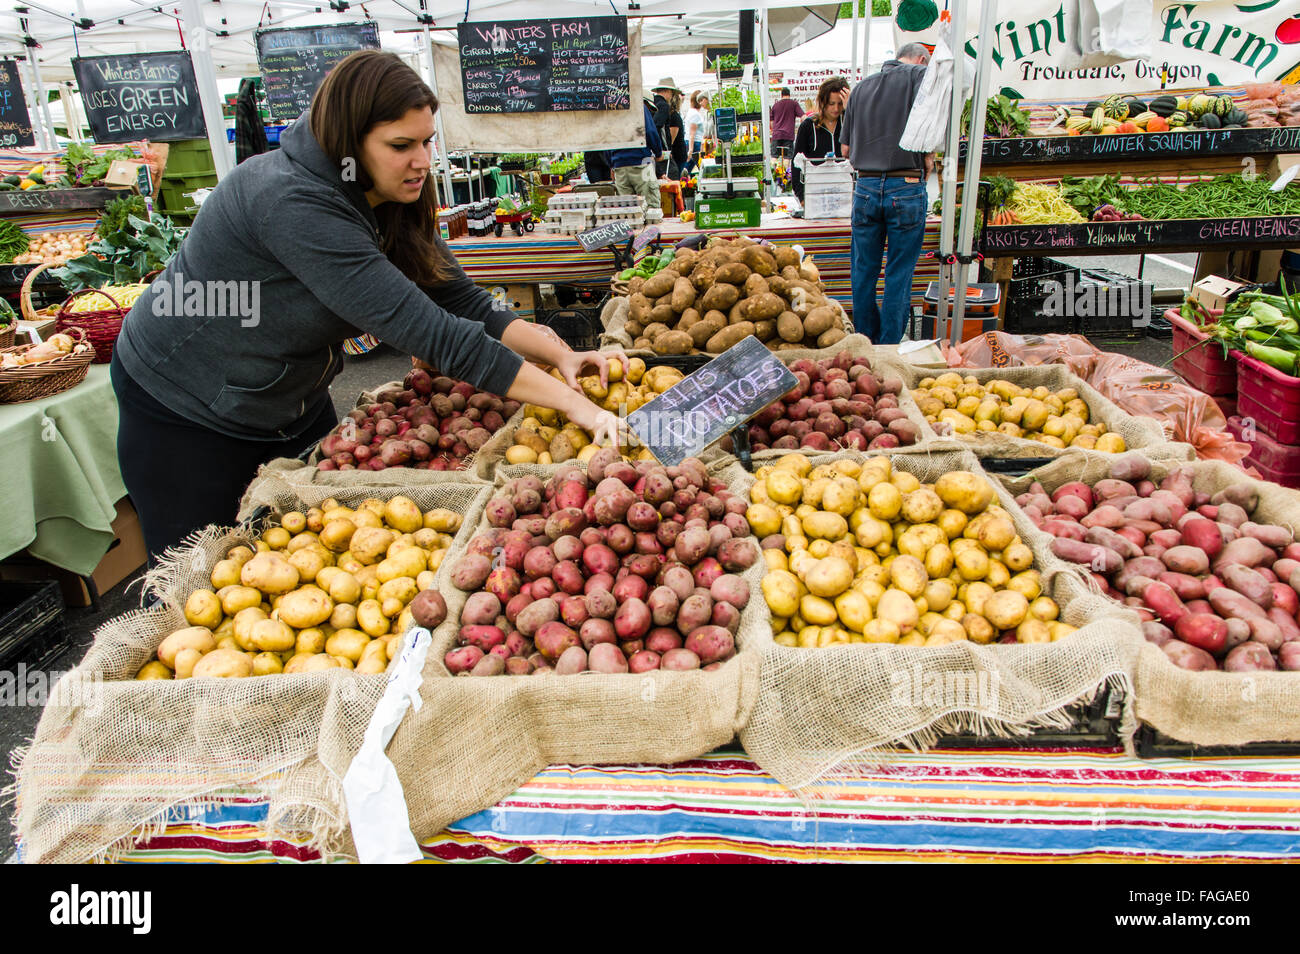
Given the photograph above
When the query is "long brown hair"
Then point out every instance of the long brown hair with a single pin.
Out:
(365, 89)
(824, 92)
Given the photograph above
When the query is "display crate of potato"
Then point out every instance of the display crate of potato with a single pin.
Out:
(1036, 411)
(712, 299)
(843, 401)
(558, 605)
(912, 599)
(96, 773)
(1207, 556)
(427, 421)
(537, 438)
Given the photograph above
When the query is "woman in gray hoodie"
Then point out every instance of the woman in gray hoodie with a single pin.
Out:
(225, 362)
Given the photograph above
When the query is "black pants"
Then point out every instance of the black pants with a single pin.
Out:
(182, 476)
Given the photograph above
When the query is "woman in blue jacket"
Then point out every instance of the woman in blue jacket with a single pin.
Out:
(225, 362)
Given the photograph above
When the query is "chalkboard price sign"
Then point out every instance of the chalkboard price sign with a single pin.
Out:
(294, 61)
(15, 124)
(537, 66)
(611, 233)
(140, 96)
(710, 402)
(1281, 231)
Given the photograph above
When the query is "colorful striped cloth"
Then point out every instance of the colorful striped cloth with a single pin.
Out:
(535, 257)
(1014, 805)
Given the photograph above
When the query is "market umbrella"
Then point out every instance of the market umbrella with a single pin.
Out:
(788, 27)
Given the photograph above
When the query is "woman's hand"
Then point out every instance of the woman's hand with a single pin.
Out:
(605, 427)
(574, 363)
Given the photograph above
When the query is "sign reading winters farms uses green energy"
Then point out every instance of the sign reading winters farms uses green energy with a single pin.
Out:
(140, 96)
(537, 66)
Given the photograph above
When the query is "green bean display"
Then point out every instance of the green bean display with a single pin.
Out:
(13, 241)
(1225, 196)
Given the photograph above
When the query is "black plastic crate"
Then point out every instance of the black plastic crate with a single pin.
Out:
(31, 622)
(1033, 282)
(685, 363)
(579, 328)
(1115, 326)
(1095, 724)
(1152, 744)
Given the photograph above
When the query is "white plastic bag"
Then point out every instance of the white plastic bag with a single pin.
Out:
(927, 125)
(1111, 31)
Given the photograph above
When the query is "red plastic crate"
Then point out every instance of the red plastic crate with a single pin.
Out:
(1270, 396)
(1204, 367)
(1277, 462)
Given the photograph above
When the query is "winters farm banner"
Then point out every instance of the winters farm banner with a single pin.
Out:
(1035, 45)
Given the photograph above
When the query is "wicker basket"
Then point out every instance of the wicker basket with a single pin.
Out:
(49, 377)
(7, 335)
(102, 327)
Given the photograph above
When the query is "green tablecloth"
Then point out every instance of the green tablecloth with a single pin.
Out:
(60, 474)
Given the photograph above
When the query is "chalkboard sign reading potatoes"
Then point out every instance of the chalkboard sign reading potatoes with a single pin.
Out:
(140, 96)
(538, 66)
(294, 61)
(711, 402)
(15, 124)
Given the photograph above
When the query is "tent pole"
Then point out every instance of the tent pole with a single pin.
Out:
(206, 75)
(442, 153)
(43, 100)
(38, 125)
(866, 40)
(764, 92)
(70, 114)
(952, 150)
(974, 154)
(853, 65)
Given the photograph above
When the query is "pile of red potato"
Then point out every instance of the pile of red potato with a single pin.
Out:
(431, 423)
(1214, 589)
(623, 568)
(838, 403)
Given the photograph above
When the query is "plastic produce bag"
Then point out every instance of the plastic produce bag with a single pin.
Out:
(1111, 31)
(927, 125)
(1141, 389)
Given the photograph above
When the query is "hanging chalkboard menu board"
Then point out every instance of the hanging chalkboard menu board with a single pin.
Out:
(140, 96)
(15, 124)
(294, 61)
(539, 66)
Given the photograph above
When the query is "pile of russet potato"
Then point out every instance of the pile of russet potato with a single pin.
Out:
(331, 588)
(858, 552)
(710, 300)
(1058, 419)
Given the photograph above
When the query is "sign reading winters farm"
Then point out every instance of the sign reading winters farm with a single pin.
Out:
(1214, 43)
(140, 96)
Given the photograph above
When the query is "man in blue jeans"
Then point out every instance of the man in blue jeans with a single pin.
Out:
(889, 198)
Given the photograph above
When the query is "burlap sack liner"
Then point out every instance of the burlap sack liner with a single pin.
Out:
(822, 711)
(91, 782)
(1139, 433)
(1203, 708)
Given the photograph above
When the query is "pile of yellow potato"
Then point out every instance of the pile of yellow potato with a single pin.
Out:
(1058, 419)
(330, 588)
(545, 436)
(858, 552)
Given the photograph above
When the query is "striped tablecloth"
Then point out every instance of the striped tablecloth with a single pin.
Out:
(1012, 805)
(535, 257)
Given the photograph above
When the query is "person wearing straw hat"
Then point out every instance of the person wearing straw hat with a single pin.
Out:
(668, 120)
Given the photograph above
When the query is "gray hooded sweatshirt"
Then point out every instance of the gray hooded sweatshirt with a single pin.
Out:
(287, 221)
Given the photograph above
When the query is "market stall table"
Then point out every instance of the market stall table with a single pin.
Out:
(61, 475)
(528, 259)
(947, 805)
